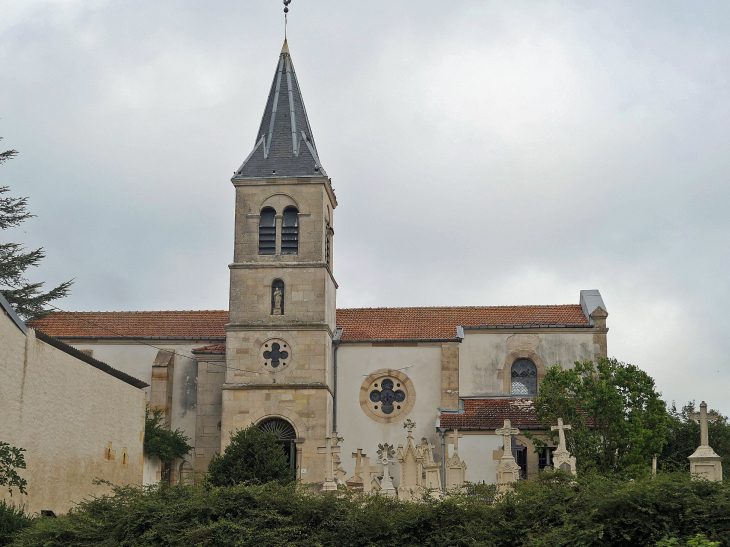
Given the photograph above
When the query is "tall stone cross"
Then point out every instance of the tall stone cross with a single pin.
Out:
(359, 455)
(560, 428)
(455, 439)
(330, 447)
(703, 417)
(386, 455)
(507, 432)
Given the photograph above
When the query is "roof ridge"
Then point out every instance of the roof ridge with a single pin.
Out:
(460, 307)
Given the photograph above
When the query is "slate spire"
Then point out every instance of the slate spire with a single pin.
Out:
(284, 143)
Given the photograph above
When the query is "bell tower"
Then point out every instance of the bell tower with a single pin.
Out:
(282, 297)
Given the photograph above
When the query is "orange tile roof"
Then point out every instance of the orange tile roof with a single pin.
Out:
(213, 348)
(358, 324)
(198, 325)
(441, 323)
(491, 414)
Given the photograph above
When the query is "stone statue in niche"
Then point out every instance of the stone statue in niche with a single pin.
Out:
(277, 301)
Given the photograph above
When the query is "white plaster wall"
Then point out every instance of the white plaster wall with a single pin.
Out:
(357, 361)
(482, 354)
(136, 360)
(64, 412)
(477, 451)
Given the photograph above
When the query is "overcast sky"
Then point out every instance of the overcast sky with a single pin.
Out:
(483, 153)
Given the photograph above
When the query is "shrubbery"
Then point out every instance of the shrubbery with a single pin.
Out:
(252, 457)
(551, 511)
(12, 520)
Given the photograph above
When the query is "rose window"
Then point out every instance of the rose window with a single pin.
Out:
(389, 396)
(275, 354)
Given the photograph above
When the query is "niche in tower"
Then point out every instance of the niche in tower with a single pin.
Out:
(277, 297)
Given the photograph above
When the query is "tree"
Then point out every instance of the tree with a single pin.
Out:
(683, 438)
(618, 420)
(160, 441)
(27, 298)
(252, 457)
(11, 458)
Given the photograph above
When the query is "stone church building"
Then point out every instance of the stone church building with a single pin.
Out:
(283, 356)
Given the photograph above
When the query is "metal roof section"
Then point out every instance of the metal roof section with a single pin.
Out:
(284, 144)
(590, 301)
(5, 305)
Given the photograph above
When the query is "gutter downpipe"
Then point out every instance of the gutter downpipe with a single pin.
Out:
(336, 341)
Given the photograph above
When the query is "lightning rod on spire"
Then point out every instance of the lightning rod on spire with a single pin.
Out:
(286, 11)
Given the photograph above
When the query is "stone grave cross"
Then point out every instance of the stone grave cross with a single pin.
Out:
(560, 428)
(561, 457)
(330, 447)
(359, 455)
(410, 426)
(507, 433)
(704, 462)
(386, 455)
(507, 471)
(704, 417)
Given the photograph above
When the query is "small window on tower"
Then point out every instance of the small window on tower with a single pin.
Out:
(267, 232)
(290, 232)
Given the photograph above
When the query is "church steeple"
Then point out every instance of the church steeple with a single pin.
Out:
(284, 143)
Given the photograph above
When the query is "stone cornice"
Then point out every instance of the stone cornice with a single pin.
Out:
(245, 386)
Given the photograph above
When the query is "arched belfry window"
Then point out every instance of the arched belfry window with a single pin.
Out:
(277, 297)
(267, 232)
(285, 437)
(290, 232)
(524, 377)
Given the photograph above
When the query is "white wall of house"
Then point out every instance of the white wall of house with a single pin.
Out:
(66, 413)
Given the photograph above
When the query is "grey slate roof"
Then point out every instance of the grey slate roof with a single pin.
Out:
(284, 145)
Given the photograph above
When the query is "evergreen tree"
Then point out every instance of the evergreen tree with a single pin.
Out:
(252, 457)
(27, 298)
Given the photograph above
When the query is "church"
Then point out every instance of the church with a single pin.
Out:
(284, 357)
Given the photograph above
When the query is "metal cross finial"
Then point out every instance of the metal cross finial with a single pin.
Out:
(286, 11)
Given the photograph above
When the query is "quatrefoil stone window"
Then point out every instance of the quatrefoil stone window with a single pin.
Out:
(387, 396)
(276, 355)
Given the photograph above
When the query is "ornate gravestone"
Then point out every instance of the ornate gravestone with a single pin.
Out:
(561, 457)
(330, 447)
(431, 469)
(386, 456)
(455, 467)
(507, 471)
(705, 463)
(411, 467)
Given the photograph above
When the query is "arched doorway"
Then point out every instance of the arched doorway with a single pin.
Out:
(285, 437)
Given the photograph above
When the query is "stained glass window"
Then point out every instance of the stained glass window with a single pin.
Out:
(389, 396)
(524, 377)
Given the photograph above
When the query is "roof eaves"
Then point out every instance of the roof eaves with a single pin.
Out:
(73, 352)
(14, 316)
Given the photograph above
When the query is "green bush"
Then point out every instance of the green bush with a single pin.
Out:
(252, 457)
(12, 520)
(160, 441)
(554, 510)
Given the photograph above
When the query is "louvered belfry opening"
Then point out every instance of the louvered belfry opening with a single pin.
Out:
(267, 232)
(290, 232)
(285, 437)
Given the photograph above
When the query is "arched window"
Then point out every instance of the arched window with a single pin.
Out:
(524, 377)
(290, 232)
(186, 473)
(267, 232)
(285, 437)
(277, 299)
